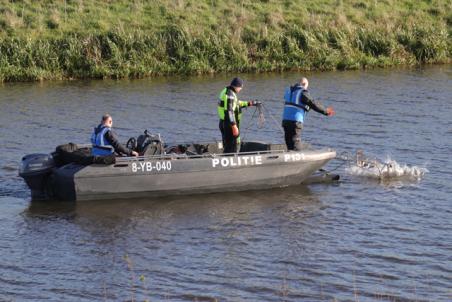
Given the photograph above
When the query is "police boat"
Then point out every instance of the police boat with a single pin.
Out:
(71, 173)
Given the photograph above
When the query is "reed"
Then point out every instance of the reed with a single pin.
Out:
(116, 39)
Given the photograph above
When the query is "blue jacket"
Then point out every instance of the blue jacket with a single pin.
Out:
(101, 146)
(295, 108)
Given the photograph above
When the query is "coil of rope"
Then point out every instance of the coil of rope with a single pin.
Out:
(260, 108)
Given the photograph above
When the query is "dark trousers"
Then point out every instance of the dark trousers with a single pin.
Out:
(230, 143)
(221, 126)
(292, 134)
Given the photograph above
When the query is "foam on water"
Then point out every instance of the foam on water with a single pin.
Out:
(388, 169)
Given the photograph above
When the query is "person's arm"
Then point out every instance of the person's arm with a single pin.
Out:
(231, 115)
(315, 105)
(243, 104)
(119, 148)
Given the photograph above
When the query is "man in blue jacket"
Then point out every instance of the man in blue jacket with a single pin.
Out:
(105, 141)
(297, 103)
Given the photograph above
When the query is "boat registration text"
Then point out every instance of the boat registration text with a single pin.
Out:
(149, 166)
(293, 157)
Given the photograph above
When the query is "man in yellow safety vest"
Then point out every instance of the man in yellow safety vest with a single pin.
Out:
(230, 113)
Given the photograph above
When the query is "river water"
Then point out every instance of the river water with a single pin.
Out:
(358, 240)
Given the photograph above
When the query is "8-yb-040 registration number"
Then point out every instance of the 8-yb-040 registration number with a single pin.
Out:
(149, 166)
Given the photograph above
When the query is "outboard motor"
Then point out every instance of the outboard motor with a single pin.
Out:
(35, 169)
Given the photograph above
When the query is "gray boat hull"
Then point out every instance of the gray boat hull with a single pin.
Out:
(174, 175)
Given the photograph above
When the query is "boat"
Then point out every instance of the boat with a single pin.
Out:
(167, 170)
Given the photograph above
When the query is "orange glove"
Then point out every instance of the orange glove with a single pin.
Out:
(235, 131)
(330, 111)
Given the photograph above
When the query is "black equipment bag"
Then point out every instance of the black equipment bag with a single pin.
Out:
(148, 144)
(71, 153)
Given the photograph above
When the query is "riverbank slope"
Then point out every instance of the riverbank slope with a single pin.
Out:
(115, 39)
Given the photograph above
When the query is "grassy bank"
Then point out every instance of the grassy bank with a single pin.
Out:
(99, 39)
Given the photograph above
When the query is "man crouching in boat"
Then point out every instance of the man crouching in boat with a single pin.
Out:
(105, 142)
(297, 103)
(230, 113)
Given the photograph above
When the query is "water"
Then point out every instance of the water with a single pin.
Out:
(363, 239)
(384, 170)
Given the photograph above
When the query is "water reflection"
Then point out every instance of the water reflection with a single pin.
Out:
(198, 240)
(223, 206)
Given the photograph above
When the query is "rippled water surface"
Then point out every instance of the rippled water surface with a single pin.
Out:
(358, 240)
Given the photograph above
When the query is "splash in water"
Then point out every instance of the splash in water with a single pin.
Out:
(388, 169)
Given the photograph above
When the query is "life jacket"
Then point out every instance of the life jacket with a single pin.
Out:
(294, 108)
(237, 105)
(100, 145)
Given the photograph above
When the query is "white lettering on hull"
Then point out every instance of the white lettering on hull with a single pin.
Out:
(237, 161)
(149, 166)
(293, 157)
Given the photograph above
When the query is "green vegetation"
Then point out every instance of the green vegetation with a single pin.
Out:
(100, 39)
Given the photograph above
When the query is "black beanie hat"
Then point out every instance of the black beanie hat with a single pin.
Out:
(237, 82)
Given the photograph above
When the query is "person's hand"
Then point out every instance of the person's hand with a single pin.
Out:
(135, 153)
(235, 131)
(330, 111)
(254, 103)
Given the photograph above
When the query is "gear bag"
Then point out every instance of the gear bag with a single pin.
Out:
(150, 144)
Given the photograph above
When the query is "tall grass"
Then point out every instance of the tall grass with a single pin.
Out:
(116, 39)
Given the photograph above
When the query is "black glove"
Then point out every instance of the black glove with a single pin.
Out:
(254, 103)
